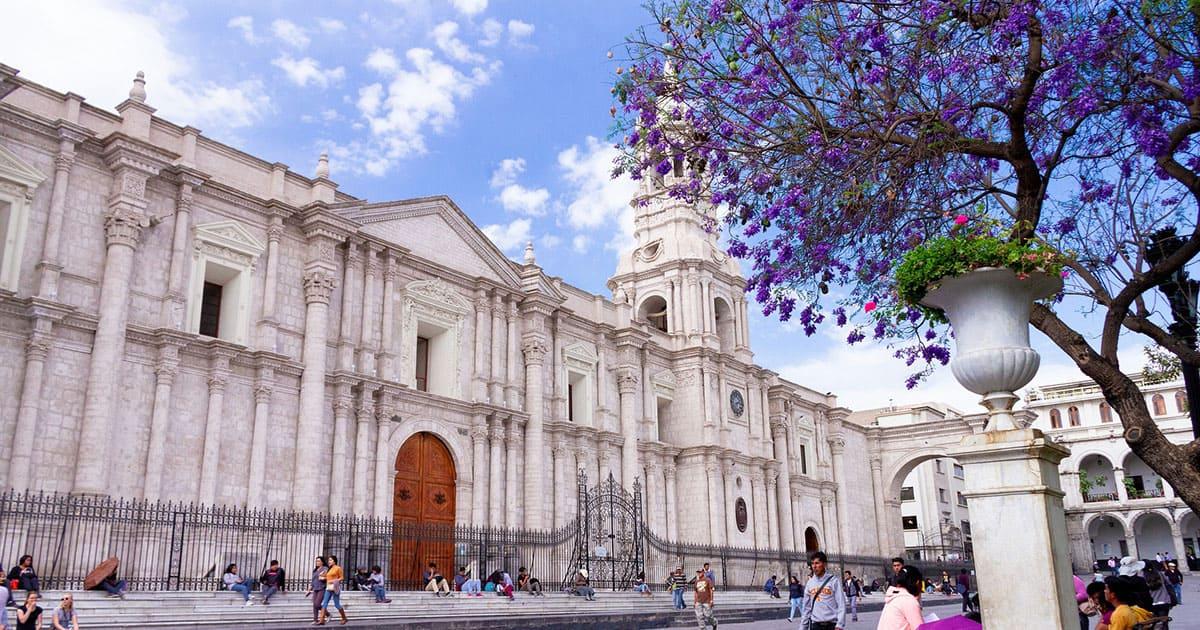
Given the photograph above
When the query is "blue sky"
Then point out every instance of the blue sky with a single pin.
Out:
(502, 105)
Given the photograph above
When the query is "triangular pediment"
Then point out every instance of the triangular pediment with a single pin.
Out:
(230, 234)
(436, 229)
(14, 169)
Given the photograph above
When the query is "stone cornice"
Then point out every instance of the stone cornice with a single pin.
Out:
(123, 150)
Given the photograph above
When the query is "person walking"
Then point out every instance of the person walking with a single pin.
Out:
(677, 582)
(237, 583)
(795, 596)
(824, 606)
(853, 591)
(333, 591)
(1162, 596)
(897, 564)
(962, 586)
(316, 587)
(902, 602)
(1175, 578)
(273, 581)
(64, 617)
(703, 600)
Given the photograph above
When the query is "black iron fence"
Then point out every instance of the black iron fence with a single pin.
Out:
(174, 546)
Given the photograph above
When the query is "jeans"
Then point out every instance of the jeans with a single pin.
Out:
(795, 602)
(1178, 588)
(1084, 622)
(471, 586)
(243, 588)
(704, 616)
(852, 604)
(677, 599)
(966, 603)
(333, 596)
(114, 589)
(380, 592)
(268, 591)
(642, 588)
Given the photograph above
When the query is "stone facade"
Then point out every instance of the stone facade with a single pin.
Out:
(337, 328)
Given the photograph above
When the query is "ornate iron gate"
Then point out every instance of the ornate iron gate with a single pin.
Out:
(611, 544)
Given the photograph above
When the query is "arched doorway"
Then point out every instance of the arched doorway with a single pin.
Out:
(423, 508)
(1152, 534)
(811, 542)
(1107, 535)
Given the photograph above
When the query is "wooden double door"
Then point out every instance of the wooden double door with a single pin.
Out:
(423, 508)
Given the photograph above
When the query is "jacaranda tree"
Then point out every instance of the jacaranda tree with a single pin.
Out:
(836, 137)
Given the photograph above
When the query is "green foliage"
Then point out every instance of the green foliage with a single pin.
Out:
(1131, 490)
(1086, 484)
(1161, 366)
(957, 254)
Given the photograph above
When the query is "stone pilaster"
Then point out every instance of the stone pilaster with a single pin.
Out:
(483, 320)
(343, 405)
(692, 300)
(218, 379)
(512, 472)
(21, 463)
(165, 369)
(534, 349)
(712, 474)
(654, 499)
(563, 480)
(268, 326)
(772, 506)
(786, 529)
(672, 507)
(364, 459)
(50, 267)
(881, 523)
(264, 391)
(351, 273)
(311, 434)
(123, 224)
(597, 419)
(649, 405)
(759, 513)
(496, 384)
(627, 385)
(384, 464)
(479, 473)
(837, 446)
(496, 472)
(387, 335)
(172, 311)
(366, 344)
(512, 358)
(726, 505)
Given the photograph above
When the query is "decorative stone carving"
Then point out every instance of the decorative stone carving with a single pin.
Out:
(124, 227)
(318, 286)
(627, 380)
(263, 393)
(37, 347)
(535, 350)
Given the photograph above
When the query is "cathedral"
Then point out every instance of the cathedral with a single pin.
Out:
(182, 321)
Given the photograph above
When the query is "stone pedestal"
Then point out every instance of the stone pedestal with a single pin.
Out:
(1022, 553)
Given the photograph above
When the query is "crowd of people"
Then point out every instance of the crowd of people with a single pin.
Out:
(1135, 591)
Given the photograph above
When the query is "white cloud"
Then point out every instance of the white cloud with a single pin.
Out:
(383, 61)
(109, 43)
(513, 196)
(329, 114)
(493, 30)
(307, 70)
(596, 199)
(519, 32)
(330, 25)
(169, 12)
(580, 243)
(445, 36)
(511, 237)
(507, 171)
(245, 24)
(470, 7)
(549, 241)
(290, 33)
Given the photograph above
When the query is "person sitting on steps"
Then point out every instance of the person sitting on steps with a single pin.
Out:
(436, 582)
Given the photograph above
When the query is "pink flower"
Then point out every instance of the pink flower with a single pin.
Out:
(960, 219)
(869, 306)
(1065, 274)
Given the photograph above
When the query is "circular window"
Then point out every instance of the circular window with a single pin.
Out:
(738, 482)
(739, 512)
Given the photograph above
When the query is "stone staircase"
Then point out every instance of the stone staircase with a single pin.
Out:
(191, 609)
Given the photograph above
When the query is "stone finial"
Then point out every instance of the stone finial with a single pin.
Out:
(323, 165)
(530, 259)
(137, 93)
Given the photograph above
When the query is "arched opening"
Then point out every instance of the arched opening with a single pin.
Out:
(1181, 402)
(654, 312)
(1189, 528)
(811, 541)
(1152, 533)
(1073, 416)
(1159, 404)
(1097, 482)
(423, 495)
(932, 520)
(1105, 412)
(1055, 419)
(1141, 482)
(1107, 535)
(724, 323)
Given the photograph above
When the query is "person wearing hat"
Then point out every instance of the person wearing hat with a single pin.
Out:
(1176, 580)
(703, 601)
(1130, 566)
(582, 588)
(676, 582)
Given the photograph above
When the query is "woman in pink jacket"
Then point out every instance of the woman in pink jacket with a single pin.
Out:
(902, 602)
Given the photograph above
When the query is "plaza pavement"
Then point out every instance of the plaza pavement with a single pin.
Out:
(1186, 617)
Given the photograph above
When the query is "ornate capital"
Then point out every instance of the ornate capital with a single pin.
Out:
(373, 266)
(37, 347)
(837, 444)
(262, 393)
(627, 380)
(772, 477)
(876, 462)
(123, 226)
(479, 434)
(274, 233)
(496, 432)
(64, 161)
(354, 257)
(535, 350)
(318, 286)
(342, 405)
(778, 428)
(218, 380)
(166, 369)
(669, 471)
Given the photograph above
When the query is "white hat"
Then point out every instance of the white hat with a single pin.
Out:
(1129, 566)
(583, 572)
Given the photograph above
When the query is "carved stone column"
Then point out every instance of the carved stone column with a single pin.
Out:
(311, 435)
(165, 369)
(563, 480)
(772, 510)
(558, 403)
(706, 310)
(483, 310)
(597, 419)
(51, 264)
(264, 390)
(627, 385)
(268, 326)
(123, 224)
(364, 460)
(672, 508)
(535, 450)
(387, 356)
(343, 404)
(366, 343)
(514, 471)
(218, 378)
(479, 472)
(716, 529)
(676, 306)
(881, 522)
(171, 313)
(496, 472)
(512, 387)
(351, 274)
(837, 446)
(758, 494)
(786, 529)
(692, 304)
(37, 348)
(654, 500)
(385, 466)
(496, 386)
(649, 405)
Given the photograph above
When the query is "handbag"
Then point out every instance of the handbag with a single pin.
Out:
(1088, 608)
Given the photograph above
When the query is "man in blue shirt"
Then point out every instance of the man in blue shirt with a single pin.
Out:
(824, 606)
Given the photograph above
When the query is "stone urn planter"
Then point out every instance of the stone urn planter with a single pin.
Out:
(988, 309)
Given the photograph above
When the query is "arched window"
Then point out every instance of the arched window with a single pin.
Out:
(1055, 419)
(1073, 416)
(1160, 405)
(654, 312)
(1105, 412)
(1181, 403)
